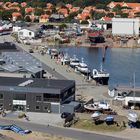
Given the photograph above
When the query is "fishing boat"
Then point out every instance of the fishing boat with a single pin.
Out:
(95, 36)
(74, 62)
(100, 76)
(97, 106)
(83, 68)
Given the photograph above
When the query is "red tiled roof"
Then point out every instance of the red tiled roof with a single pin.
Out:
(75, 9)
(44, 16)
(28, 10)
(23, 4)
(16, 14)
(106, 18)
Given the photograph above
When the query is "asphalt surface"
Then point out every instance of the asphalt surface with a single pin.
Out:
(67, 132)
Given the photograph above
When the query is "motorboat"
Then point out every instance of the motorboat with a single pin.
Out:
(74, 61)
(65, 60)
(100, 76)
(97, 106)
(83, 68)
(132, 116)
(96, 115)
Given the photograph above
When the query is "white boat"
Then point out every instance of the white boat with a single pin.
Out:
(132, 116)
(97, 106)
(95, 115)
(83, 68)
(74, 61)
(100, 76)
(65, 60)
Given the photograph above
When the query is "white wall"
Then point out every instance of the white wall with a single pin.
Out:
(25, 33)
(127, 99)
(104, 26)
(16, 29)
(125, 26)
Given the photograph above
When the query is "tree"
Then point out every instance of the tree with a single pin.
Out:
(124, 15)
(62, 26)
(27, 19)
(117, 9)
(84, 22)
(22, 11)
(111, 15)
(7, 14)
(38, 11)
(100, 6)
(97, 15)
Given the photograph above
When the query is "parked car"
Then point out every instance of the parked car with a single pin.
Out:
(65, 114)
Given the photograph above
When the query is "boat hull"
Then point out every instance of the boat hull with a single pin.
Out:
(101, 80)
(87, 72)
(98, 39)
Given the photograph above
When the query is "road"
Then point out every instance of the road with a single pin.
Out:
(67, 132)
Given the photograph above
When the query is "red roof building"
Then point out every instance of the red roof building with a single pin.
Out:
(74, 9)
(106, 18)
(29, 10)
(16, 14)
(23, 4)
(134, 6)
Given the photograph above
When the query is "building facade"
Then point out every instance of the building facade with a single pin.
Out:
(36, 95)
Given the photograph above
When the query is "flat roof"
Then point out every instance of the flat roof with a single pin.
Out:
(35, 85)
(15, 61)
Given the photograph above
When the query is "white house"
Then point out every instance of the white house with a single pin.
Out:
(125, 26)
(26, 33)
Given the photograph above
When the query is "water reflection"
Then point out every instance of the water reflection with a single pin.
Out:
(121, 63)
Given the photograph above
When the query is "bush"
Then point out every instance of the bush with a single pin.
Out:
(84, 22)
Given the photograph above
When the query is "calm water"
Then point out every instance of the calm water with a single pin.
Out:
(120, 63)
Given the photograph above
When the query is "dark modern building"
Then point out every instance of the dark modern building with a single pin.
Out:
(37, 95)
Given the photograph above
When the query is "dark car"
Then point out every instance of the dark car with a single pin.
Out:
(65, 114)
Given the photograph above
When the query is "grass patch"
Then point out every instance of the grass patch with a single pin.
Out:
(89, 125)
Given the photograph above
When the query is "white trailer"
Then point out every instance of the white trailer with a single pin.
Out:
(125, 26)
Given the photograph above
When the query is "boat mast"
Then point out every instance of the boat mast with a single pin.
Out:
(103, 57)
(134, 80)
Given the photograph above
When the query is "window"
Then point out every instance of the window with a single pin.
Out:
(51, 97)
(37, 107)
(19, 96)
(1, 96)
(38, 98)
(30, 33)
(45, 108)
